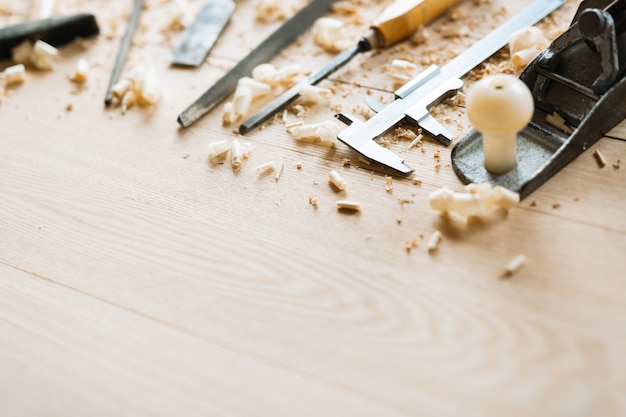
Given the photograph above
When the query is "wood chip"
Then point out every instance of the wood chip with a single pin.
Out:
(600, 158)
(515, 265)
(348, 205)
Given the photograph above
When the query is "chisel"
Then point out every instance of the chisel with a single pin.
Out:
(397, 22)
(197, 40)
(123, 51)
(266, 50)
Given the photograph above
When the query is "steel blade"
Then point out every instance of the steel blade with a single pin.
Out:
(294, 92)
(264, 52)
(198, 39)
(123, 51)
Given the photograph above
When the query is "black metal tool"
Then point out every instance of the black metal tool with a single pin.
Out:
(264, 52)
(57, 31)
(123, 51)
(579, 79)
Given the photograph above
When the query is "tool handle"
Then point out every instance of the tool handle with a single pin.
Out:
(403, 17)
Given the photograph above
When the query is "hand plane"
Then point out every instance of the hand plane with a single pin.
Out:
(413, 100)
(578, 81)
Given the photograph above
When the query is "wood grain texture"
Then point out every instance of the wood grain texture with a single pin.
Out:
(69, 353)
(138, 279)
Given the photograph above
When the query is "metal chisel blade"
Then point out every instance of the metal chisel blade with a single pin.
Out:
(294, 92)
(264, 52)
(198, 39)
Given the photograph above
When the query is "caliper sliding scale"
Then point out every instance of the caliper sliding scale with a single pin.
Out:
(413, 100)
(580, 77)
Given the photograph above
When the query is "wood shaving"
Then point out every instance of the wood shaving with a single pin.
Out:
(515, 265)
(405, 200)
(280, 172)
(266, 168)
(557, 121)
(81, 72)
(336, 179)
(344, 8)
(417, 142)
(269, 11)
(15, 74)
(348, 205)
(331, 34)
(324, 133)
(218, 151)
(599, 158)
(525, 44)
(477, 199)
(411, 244)
(313, 201)
(388, 183)
(434, 241)
(313, 94)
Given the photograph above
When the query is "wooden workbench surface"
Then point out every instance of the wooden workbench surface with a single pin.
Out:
(138, 279)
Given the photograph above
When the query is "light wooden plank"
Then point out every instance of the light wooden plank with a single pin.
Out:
(65, 352)
(240, 271)
(285, 279)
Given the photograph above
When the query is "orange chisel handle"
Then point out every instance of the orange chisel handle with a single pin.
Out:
(403, 17)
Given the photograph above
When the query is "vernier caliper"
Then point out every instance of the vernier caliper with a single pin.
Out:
(413, 101)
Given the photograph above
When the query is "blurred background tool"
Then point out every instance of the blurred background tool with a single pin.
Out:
(263, 53)
(198, 39)
(397, 22)
(57, 31)
(124, 47)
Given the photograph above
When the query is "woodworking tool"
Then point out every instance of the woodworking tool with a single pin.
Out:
(56, 31)
(123, 51)
(264, 52)
(197, 40)
(578, 85)
(397, 22)
(414, 99)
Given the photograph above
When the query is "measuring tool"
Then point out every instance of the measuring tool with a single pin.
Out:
(398, 21)
(414, 99)
(579, 80)
(263, 53)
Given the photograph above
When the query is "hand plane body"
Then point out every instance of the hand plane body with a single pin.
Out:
(578, 86)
